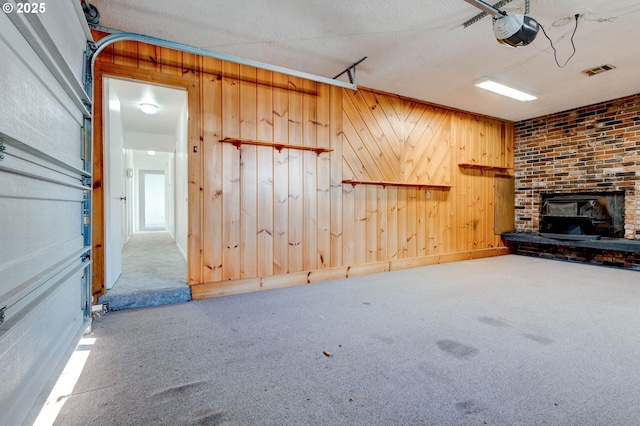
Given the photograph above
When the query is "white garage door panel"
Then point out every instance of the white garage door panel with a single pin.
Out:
(16, 185)
(23, 376)
(23, 160)
(31, 287)
(46, 224)
(43, 270)
(62, 24)
(35, 109)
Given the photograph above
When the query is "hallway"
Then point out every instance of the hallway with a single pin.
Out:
(153, 273)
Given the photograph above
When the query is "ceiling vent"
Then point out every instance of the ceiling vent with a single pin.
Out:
(598, 70)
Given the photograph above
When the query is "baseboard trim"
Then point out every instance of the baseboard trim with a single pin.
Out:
(247, 285)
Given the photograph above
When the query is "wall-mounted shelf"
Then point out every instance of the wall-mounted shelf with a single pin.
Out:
(483, 167)
(277, 145)
(384, 183)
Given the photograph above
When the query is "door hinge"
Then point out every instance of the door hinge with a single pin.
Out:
(2, 314)
(2, 150)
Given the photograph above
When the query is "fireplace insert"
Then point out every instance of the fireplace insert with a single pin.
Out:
(582, 216)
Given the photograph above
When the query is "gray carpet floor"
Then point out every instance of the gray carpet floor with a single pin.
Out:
(508, 340)
(153, 273)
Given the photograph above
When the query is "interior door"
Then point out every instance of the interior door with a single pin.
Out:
(115, 198)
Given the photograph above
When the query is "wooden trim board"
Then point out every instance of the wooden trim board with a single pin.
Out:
(247, 285)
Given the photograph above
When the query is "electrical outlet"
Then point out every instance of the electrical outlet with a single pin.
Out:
(428, 195)
(582, 15)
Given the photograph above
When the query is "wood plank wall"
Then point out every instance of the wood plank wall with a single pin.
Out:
(262, 218)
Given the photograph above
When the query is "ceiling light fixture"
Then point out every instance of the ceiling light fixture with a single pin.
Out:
(151, 152)
(503, 90)
(148, 108)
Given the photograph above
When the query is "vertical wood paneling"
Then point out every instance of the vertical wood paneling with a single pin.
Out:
(98, 193)
(189, 64)
(248, 174)
(421, 229)
(310, 178)
(265, 174)
(432, 223)
(371, 203)
(267, 212)
(360, 225)
(170, 62)
(382, 225)
(231, 172)
(195, 190)
(412, 223)
(125, 53)
(402, 226)
(149, 56)
(280, 175)
(296, 177)
(212, 223)
(349, 224)
(323, 191)
(336, 143)
(392, 223)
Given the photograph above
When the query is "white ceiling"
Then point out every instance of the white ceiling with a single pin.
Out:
(131, 94)
(415, 48)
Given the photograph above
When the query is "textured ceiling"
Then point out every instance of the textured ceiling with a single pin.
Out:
(415, 48)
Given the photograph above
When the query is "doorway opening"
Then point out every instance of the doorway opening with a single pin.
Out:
(145, 194)
(151, 202)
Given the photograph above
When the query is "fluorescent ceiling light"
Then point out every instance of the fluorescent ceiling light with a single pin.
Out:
(151, 152)
(503, 90)
(148, 108)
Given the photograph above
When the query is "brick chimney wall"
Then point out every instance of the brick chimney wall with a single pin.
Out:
(590, 149)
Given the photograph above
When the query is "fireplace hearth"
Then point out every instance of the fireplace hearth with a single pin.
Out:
(582, 216)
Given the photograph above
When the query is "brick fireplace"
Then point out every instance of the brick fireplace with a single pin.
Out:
(575, 172)
(593, 149)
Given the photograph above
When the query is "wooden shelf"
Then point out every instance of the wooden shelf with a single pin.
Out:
(384, 183)
(277, 145)
(483, 167)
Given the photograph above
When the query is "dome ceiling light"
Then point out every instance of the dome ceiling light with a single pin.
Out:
(148, 108)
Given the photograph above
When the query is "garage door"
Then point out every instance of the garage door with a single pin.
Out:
(45, 194)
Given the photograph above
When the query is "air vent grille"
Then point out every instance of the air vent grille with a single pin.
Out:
(598, 70)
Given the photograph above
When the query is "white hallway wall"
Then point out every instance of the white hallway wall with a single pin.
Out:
(114, 137)
(182, 183)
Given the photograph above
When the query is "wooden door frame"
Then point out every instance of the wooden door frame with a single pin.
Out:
(186, 82)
